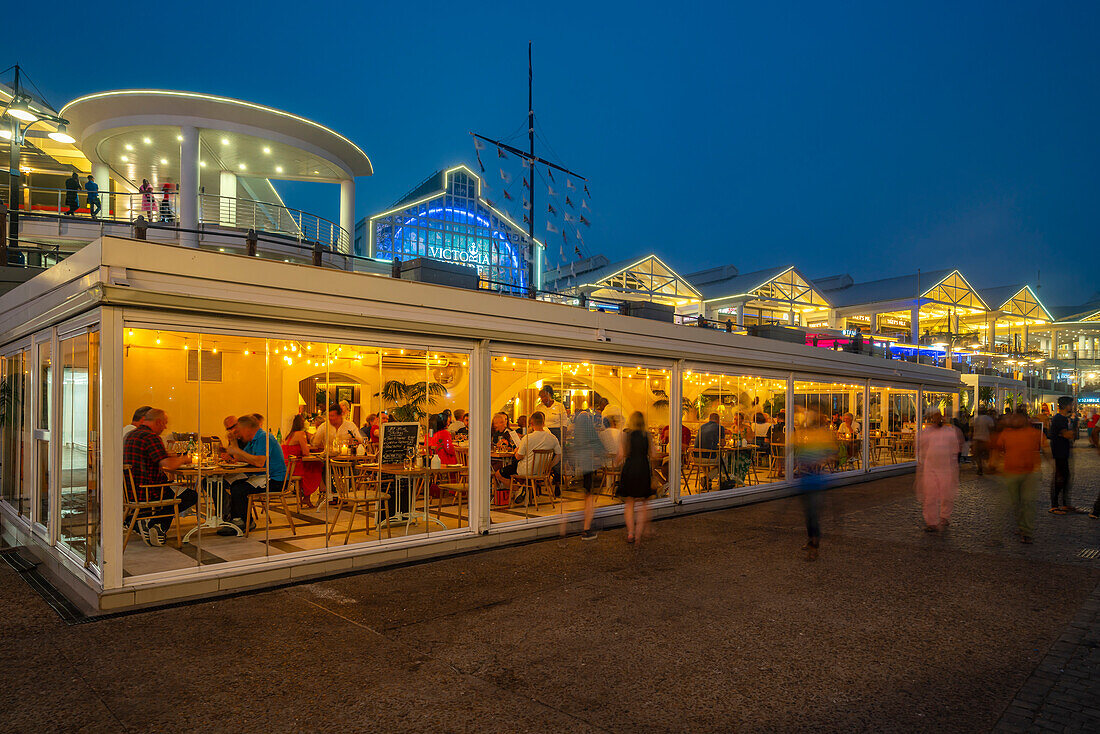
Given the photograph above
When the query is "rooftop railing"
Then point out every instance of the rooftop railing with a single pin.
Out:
(162, 207)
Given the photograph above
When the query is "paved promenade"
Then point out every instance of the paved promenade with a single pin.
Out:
(716, 624)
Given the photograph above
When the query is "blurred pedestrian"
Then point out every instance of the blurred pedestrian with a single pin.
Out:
(982, 430)
(587, 459)
(147, 199)
(937, 483)
(815, 448)
(1061, 442)
(1018, 448)
(636, 478)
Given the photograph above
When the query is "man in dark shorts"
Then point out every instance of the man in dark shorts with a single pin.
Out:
(1061, 442)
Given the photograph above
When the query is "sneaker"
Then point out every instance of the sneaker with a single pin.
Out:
(238, 522)
(155, 536)
(143, 530)
(1094, 516)
(1057, 510)
(1026, 539)
(588, 535)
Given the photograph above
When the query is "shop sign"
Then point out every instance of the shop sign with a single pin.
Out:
(453, 254)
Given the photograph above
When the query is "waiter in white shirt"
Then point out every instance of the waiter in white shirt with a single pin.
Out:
(335, 429)
(555, 416)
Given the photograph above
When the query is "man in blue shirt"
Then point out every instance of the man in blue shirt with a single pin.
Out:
(710, 436)
(94, 206)
(261, 450)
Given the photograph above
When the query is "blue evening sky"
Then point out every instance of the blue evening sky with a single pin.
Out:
(869, 138)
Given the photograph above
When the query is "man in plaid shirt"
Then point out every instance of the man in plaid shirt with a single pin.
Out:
(144, 451)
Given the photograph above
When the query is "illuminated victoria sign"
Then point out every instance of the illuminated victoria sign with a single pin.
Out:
(456, 225)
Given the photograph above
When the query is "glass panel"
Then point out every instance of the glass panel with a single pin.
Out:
(12, 437)
(42, 424)
(841, 409)
(893, 420)
(79, 481)
(560, 433)
(736, 431)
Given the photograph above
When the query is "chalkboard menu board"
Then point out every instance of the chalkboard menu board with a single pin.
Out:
(397, 440)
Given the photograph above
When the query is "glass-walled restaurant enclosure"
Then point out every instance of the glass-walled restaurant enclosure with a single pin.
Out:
(167, 433)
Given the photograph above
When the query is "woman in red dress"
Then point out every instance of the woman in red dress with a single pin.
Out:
(297, 444)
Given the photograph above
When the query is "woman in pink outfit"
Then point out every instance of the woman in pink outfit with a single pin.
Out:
(938, 471)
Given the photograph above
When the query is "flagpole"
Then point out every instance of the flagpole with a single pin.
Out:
(533, 266)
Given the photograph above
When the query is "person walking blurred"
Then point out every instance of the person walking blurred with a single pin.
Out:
(982, 430)
(72, 193)
(588, 458)
(1018, 448)
(636, 478)
(1061, 442)
(938, 471)
(815, 447)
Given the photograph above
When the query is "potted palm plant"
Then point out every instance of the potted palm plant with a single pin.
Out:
(411, 400)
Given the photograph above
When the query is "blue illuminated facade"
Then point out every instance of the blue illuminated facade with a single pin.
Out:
(446, 218)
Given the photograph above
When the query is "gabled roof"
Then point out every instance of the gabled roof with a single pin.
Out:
(833, 282)
(1089, 311)
(431, 185)
(1001, 298)
(647, 275)
(567, 276)
(888, 289)
(712, 275)
(740, 283)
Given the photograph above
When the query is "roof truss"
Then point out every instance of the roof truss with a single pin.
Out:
(1026, 305)
(650, 277)
(789, 287)
(955, 291)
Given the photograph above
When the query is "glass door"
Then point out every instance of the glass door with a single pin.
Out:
(43, 419)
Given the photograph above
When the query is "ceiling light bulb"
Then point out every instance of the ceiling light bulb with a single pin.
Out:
(278, 169)
(266, 149)
(147, 141)
(164, 161)
(202, 164)
(240, 166)
(179, 138)
(124, 159)
(225, 141)
(129, 147)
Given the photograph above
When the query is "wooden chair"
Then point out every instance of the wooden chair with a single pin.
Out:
(358, 490)
(132, 507)
(701, 464)
(458, 486)
(777, 464)
(279, 499)
(542, 461)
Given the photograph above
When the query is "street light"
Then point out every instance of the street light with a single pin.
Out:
(19, 110)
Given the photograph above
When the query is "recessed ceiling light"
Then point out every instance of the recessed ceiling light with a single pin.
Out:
(124, 159)
(316, 171)
(240, 166)
(266, 149)
(164, 161)
(179, 138)
(225, 141)
(202, 163)
(147, 141)
(278, 169)
(129, 147)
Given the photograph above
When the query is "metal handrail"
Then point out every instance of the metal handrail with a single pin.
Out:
(214, 211)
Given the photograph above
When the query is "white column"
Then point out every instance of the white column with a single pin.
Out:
(102, 175)
(1053, 343)
(189, 184)
(991, 335)
(914, 324)
(874, 322)
(741, 314)
(347, 215)
(110, 444)
(675, 421)
(227, 204)
(479, 459)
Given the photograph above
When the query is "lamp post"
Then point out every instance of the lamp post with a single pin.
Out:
(19, 111)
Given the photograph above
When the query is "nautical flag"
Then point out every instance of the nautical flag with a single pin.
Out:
(507, 196)
(563, 242)
(500, 153)
(550, 208)
(551, 228)
(569, 217)
(526, 219)
(579, 237)
(550, 174)
(490, 202)
(585, 222)
(525, 182)
(526, 163)
(584, 205)
(479, 163)
(586, 189)
(477, 143)
(507, 177)
(577, 250)
(550, 190)
(568, 201)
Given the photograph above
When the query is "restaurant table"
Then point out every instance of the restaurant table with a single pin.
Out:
(419, 478)
(213, 521)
